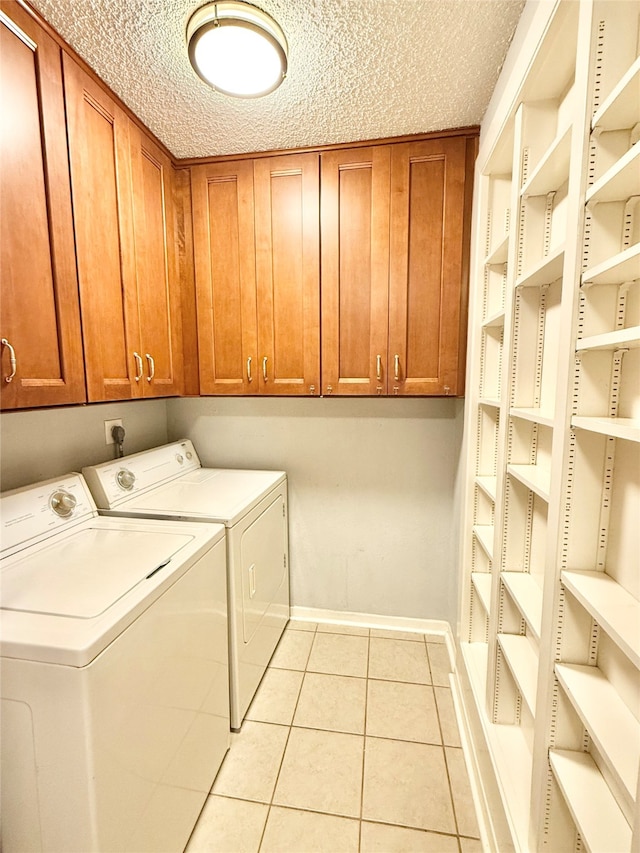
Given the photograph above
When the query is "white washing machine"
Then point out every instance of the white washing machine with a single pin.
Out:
(114, 690)
(169, 482)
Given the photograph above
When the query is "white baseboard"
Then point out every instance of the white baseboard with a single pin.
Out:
(440, 630)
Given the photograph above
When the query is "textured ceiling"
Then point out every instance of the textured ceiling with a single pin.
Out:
(358, 69)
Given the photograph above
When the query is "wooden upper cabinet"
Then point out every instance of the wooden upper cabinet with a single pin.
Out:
(39, 316)
(394, 236)
(157, 286)
(427, 287)
(286, 191)
(225, 271)
(256, 247)
(125, 247)
(355, 270)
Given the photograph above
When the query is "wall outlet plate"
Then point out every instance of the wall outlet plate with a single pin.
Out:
(108, 426)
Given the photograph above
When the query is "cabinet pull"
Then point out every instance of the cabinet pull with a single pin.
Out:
(396, 368)
(152, 367)
(139, 370)
(264, 368)
(378, 367)
(13, 361)
(249, 377)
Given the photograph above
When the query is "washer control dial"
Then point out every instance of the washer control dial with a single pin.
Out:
(125, 479)
(62, 503)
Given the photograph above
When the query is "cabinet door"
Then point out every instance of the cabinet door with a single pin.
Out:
(39, 317)
(355, 270)
(158, 296)
(101, 184)
(224, 250)
(426, 267)
(288, 273)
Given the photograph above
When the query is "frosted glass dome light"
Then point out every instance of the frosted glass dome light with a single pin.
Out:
(237, 49)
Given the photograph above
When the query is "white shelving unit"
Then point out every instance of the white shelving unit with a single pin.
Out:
(549, 632)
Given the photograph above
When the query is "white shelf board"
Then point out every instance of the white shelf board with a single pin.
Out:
(498, 254)
(484, 535)
(623, 267)
(535, 415)
(494, 320)
(489, 401)
(546, 271)
(611, 725)
(523, 663)
(489, 486)
(553, 169)
(508, 749)
(612, 607)
(598, 818)
(534, 477)
(621, 108)
(620, 182)
(619, 339)
(626, 428)
(482, 585)
(528, 596)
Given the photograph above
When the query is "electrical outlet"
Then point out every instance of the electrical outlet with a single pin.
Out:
(108, 426)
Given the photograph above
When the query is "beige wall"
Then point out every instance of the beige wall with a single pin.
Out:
(373, 521)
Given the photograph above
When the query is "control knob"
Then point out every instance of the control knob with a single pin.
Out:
(62, 503)
(125, 479)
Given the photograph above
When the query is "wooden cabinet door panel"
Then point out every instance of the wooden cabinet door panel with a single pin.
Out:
(99, 156)
(156, 274)
(288, 273)
(355, 266)
(224, 250)
(426, 265)
(40, 314)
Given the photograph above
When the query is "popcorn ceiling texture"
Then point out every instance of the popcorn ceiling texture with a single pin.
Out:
(358, 69)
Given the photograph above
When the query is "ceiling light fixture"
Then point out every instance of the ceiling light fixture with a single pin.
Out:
(237, 48)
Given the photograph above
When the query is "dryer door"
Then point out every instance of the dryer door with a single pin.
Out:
(263, 550)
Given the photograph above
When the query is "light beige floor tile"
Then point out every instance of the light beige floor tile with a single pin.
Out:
(301, 625)
(276, 698)
(461, 791)
(337, 654)
(354, 630)
(321, 771)
(250, 769)
(333, 702)
(402, 711)
(398, 660)
(447, 715)
(439, 663)
(293, 831)
(389, 634)
(407, 784)
(293, 650)
(228, 826)
(378, 838)
(470, 845)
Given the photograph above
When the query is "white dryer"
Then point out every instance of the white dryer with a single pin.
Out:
(114, 689)
(169, 482)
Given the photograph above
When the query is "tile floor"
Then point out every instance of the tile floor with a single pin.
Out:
(350, 744)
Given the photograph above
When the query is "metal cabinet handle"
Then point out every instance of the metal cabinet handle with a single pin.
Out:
(264, 368)
(139, 369)
(378, 367)
(13, 361)
(249, 377)
(396, 368)
(152, 367)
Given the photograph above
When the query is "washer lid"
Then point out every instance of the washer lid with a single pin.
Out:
(214, 494)
(85, 573)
